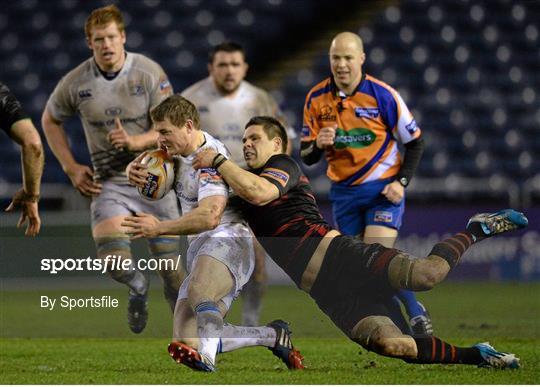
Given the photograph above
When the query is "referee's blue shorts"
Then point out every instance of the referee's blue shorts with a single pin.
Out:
(355, 207)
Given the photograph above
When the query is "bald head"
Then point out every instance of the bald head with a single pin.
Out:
(346, 60)
(347, 39)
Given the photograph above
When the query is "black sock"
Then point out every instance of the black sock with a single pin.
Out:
(452, 249)
(433, 350)
(476, 231)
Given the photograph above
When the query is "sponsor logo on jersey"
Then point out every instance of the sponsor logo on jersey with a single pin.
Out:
(326, 113)
(305, 131)
(366, 112)
(165, 86)
(209, 176)
(113, 111)
(354, 138)
(411, 126)
(209, 171)
(278, 175)
(86, 93)
(179, 189)
(383, 216)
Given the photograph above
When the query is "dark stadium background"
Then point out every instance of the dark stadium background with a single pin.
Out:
(469, 71)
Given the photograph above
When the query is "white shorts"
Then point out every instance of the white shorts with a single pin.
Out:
(124, 199)
(232, 245)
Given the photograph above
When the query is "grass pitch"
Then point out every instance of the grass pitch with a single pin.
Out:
(95, 346)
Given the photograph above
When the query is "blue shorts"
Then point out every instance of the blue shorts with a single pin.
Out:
(355, 207)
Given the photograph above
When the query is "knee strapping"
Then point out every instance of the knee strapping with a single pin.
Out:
(406, 267)
(368, 328)
(164, 246)
(118, 245)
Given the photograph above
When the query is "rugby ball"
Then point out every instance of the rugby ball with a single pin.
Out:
(160, 178)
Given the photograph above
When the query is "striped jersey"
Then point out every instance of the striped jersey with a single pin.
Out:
(225, 117)
(370, 123)
(84, 91)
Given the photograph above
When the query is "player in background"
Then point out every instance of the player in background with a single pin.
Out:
(18, 125)
(356, 121)
(351, 281)
(226, 101)
(220, 256)
(113, 92)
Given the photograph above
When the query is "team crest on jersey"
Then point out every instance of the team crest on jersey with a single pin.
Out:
(280, 176)
(136, 89)
(411, 126)
(113, 111)
(327, 113)
(305, 131)
(366, 112)
(383, 216)
(87, 93)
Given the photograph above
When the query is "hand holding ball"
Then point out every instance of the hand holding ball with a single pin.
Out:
(160, 177)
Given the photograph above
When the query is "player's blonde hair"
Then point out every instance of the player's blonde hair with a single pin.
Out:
(177, 110)
(103, 16)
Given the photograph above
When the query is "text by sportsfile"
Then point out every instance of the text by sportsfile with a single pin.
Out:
(110, 262)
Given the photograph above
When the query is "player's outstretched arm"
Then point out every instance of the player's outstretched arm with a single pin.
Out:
(250, 187)
(26, 135)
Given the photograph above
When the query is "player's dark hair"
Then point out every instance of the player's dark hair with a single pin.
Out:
(177, 110)
(272, 127)
(103, 16)
(226, 47)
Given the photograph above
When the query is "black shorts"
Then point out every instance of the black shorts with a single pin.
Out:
(353, 283)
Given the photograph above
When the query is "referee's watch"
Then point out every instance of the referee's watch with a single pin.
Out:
(403, 181)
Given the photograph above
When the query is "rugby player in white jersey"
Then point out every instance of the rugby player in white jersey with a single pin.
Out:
(220, 256)
(226, 101)
(112, 92)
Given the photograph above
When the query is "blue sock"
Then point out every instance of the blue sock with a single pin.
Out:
(412, 306)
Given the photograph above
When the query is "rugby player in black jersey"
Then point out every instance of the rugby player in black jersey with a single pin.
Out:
(352, 282)
(18, 125)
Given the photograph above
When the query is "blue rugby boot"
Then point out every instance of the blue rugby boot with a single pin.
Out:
(495, 359)
(488, 224)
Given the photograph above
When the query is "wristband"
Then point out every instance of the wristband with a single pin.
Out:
(218, 160)
(22, 196)
(218, 164)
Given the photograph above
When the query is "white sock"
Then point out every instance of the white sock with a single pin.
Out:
(209, 328)
(133, 278)
(235, 337)
(138, 283)
(208, 347)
